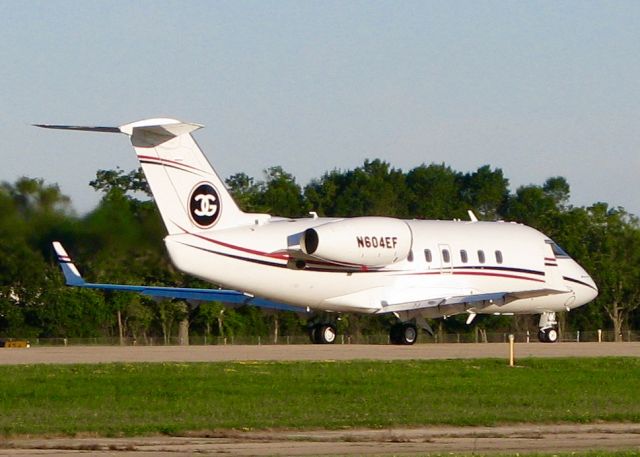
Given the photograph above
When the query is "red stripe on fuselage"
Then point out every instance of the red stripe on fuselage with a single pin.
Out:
(240, 248)
(472, 273)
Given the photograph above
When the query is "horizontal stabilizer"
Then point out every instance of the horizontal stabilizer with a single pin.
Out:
(159, 127)
(77, 127)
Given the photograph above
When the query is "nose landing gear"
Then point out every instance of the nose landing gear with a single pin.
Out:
(548, 328)
(549, 335)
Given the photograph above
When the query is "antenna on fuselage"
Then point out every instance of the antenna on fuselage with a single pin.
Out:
(472, 216)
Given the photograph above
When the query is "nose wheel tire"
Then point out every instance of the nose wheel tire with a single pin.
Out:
(405, 334)
(548, 335)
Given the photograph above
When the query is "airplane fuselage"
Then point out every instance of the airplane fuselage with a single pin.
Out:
(446, 257)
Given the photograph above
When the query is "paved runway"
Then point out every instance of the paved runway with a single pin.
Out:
(129, 354)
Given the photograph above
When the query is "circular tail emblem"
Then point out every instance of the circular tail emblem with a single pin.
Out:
(204, 205)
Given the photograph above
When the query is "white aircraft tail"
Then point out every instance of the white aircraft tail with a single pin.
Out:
(189, 193)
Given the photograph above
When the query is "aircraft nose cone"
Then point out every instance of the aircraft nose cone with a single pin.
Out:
(583, 285)
(587, 292)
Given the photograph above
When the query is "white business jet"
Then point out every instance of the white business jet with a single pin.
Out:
(415, 269)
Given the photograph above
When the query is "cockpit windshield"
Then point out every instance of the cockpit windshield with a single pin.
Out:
(557, 250)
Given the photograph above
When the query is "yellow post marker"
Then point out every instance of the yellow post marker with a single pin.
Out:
(599, 336)
(511, 350)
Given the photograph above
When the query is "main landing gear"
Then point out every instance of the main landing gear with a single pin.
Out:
(323, 333)
(404, 333)
(548, 328)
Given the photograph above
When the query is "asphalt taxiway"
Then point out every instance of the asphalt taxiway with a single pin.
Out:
(132, 354)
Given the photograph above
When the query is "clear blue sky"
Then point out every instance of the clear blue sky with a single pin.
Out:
(538, 88)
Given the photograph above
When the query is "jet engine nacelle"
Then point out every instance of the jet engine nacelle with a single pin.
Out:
(365, 241)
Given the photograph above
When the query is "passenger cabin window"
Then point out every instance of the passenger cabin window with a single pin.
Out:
(463, 256)
(446, 258)
(481, 256)
(499, 256)
(427, 255)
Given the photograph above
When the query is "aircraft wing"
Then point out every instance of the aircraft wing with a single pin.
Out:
(73, 278)
(466, 301)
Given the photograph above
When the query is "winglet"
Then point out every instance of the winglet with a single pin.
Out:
(71, 273)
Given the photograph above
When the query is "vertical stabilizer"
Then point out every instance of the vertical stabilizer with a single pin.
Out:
(188, 192)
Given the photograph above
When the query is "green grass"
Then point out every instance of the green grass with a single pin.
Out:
(134, 399)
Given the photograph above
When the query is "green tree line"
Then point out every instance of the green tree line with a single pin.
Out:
(121, 241)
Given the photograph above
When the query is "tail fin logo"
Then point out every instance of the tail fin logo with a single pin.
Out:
(204, 205)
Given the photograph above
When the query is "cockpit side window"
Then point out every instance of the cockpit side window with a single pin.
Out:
(557, 250)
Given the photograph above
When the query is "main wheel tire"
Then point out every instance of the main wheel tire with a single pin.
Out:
(409, 334)
(403, 333)
(326, 334)
(323, 334)
(312, 333)
(542, 336)
(394, 334)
